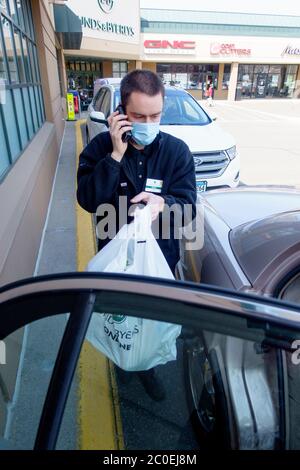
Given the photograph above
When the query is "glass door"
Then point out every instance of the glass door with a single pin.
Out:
(209, 78)
(259, 88)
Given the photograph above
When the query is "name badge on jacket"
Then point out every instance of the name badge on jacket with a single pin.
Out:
(153, 186)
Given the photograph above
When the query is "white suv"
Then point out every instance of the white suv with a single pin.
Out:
(216, 160)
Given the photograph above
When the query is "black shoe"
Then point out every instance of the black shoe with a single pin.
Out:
(152, 384)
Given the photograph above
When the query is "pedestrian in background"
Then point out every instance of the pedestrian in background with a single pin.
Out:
(210, 94)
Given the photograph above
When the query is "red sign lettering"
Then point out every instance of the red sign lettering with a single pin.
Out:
(164, 44)
(227, 49)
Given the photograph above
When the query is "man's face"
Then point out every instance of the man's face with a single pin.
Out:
(144, 108)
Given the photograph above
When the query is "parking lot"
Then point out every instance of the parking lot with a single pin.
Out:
(267, 136)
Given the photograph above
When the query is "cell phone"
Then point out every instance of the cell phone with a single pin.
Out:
(127, 135)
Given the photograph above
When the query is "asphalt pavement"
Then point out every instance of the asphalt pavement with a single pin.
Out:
(267, 137)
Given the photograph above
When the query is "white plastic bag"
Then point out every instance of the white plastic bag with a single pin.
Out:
(133, 343)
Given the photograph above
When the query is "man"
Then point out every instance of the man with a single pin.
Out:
(152, 168)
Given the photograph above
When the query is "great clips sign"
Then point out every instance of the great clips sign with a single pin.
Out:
(164, 46)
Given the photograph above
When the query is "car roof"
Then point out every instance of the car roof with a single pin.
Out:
(244, 204)
(169, 90)
(175, 90)
(263, 224)
(108, 81)
(258, 244)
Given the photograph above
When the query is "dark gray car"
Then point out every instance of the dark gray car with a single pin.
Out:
(251, 243)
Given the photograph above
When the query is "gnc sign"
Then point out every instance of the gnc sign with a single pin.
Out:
(163, 46)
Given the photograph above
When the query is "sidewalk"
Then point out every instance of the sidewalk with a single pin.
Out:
(90, 420)
(42, 338)
(58, 247)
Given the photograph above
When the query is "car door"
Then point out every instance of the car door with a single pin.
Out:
(227, 386)
(281, 279)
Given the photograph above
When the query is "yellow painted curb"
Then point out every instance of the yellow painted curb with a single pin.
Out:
(100, 425)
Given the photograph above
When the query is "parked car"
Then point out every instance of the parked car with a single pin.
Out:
(216, 159)
(251, 244)
(99, 82)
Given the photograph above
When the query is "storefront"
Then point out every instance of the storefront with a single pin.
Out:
(237, 68)
(83, 71)
(241, 56)
(195, 76)
(190, 76)
(266, 81)
(185, 52)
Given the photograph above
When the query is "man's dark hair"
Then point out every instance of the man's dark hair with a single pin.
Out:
(142, 81)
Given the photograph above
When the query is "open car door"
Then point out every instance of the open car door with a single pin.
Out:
(228, 387)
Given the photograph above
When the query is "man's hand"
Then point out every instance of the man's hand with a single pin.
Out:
(117, 126)
(156, 203)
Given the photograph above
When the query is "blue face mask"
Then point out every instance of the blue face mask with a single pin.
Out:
(144, 133)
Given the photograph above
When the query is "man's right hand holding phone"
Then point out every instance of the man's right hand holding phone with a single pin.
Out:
(118, 125)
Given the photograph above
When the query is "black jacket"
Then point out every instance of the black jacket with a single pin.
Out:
(101, 179)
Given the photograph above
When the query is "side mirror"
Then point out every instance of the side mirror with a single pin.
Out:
(97, 116)
(214, 118)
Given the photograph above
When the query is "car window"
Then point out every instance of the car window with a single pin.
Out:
(181, 109)
(200, 403)
(105, 104)
(116, 98)
(291, 290)
(224, 360)
(98, 100)
(189, 110)
(25, 373)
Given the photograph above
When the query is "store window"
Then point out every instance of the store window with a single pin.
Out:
(193, 77)
(22, 108)
(210, 77)
(3, 75)
(119, 69)
(177, 75)
(189, 76)
(226, 76)
(266, 81)
(289, 84)
(261, 68)
(82, 73)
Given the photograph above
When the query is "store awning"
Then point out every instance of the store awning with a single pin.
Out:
(68, 27)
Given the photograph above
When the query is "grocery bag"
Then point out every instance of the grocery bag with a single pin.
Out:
(133, 344)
